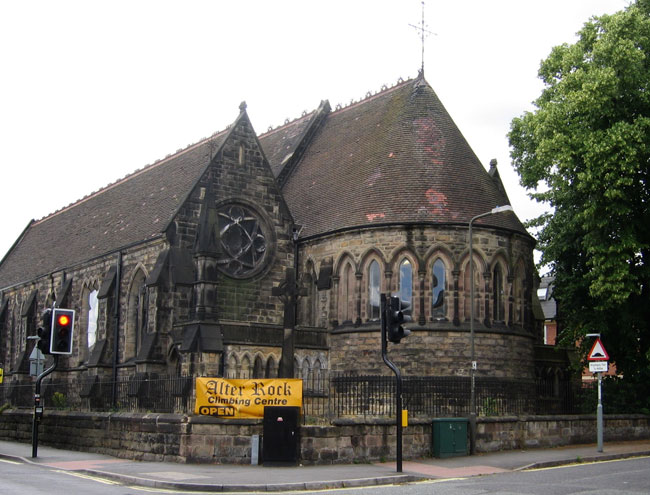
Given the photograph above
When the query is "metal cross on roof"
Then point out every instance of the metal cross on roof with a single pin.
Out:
(424, 32)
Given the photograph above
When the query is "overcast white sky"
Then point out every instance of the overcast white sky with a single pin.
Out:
(90, 91)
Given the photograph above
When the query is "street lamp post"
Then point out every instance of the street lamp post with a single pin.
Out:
(472, 397)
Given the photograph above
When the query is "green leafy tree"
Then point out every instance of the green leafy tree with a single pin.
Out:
(585, 151)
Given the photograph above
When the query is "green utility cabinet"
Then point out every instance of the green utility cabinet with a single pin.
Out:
(449, 437)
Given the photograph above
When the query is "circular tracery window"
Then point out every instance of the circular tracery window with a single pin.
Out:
(243, 239)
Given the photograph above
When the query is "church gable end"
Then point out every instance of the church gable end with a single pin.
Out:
(237, 225)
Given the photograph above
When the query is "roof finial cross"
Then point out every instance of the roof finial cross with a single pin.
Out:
(424, 32)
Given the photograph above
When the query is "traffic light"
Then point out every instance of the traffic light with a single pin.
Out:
(394, 319)
(45, 332)
(62, 331)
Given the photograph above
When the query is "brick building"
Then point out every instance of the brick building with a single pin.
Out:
(184, 267)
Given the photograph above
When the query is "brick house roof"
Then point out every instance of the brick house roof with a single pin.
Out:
(394, 158)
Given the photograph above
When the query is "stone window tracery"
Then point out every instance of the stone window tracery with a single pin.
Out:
(243, 240)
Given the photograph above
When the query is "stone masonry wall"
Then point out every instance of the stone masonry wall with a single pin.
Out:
(437, 345)
(435, 352)
(181, 438)
(85, 277)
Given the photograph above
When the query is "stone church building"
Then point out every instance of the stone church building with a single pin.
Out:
(186, 266)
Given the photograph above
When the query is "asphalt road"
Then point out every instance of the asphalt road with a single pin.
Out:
(628, 476)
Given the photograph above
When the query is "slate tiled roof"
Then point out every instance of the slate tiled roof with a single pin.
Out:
(280, 144)
(396, 157)
(133, 209)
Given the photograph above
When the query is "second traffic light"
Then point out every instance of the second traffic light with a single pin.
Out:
(394, 319)
(45, 332)
(62, 331)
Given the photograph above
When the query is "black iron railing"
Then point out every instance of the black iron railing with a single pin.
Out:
(325, 395)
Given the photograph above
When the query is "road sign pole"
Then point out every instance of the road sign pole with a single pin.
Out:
(599, 413)
(38, 405)
(398, 383)
(598, 362)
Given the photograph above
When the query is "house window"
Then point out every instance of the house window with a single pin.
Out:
(374, 289)
(498, 311)
(438, 282)
(406, 286)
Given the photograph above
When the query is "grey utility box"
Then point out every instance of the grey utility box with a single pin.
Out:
(449, 437)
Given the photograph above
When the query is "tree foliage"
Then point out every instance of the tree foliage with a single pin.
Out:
(585, 151)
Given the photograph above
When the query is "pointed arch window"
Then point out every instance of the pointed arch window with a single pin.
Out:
(231, 368)
(498, 296)
(309, 304)
(93, 314)
(406, 286)
(346, 294)
(317, 375)
(271, 368)
(519, 284)
(438, 283)
(245, 370)
(374, 289)
(478, 294)
(258, 368)
(137, 316)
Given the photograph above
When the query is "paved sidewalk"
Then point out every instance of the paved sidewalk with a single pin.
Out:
(221, 477)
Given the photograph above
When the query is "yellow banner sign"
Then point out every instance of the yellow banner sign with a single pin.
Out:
(245, 398)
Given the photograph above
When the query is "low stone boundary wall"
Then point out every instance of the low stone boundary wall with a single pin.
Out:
(527, 432)
(181, 438)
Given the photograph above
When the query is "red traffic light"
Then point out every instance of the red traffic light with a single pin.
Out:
(62, 331)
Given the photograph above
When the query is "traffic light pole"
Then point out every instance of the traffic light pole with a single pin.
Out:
(398, 378)
(38, 405)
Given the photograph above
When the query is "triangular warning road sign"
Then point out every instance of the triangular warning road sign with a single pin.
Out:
(598, 352)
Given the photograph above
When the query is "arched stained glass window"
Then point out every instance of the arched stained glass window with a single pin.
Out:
(406, 286)
(374, 289)
(438, 282)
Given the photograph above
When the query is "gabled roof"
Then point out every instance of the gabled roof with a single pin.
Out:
(136, 208)
(395, 157)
